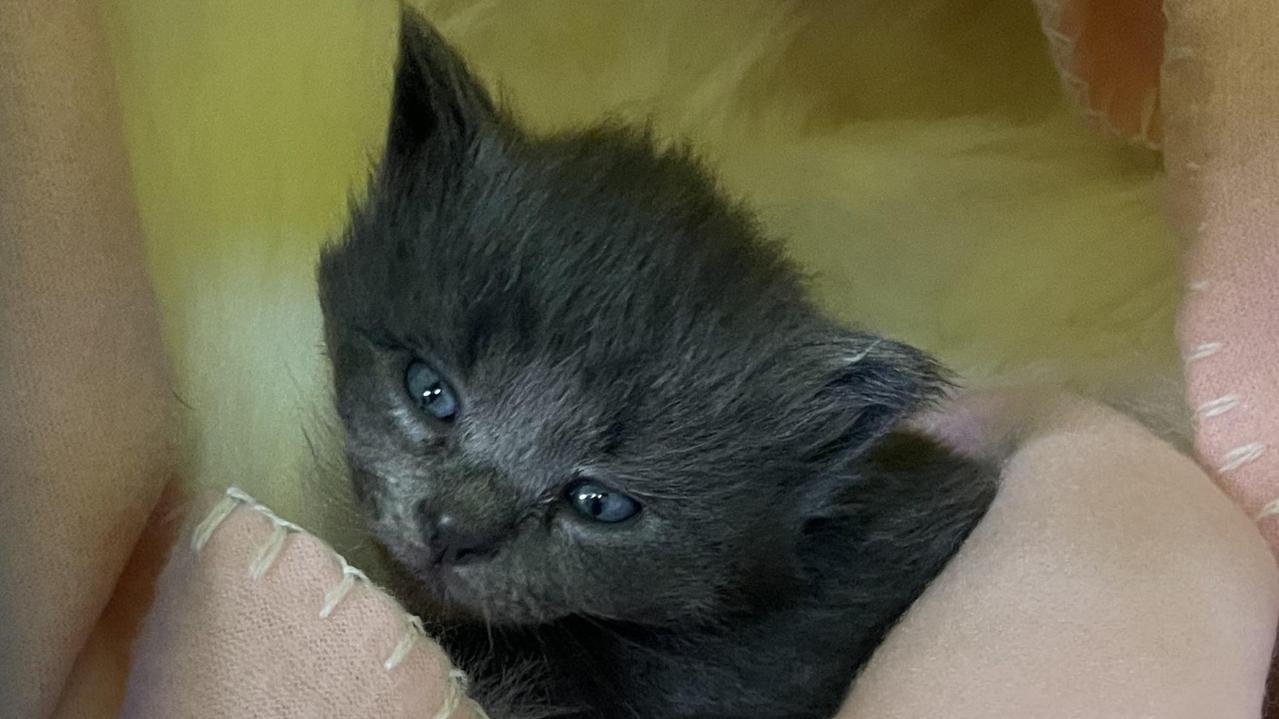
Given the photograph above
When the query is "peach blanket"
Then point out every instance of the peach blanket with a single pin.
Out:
(1111, 578)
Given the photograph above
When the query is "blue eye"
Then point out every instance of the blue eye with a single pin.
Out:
(601, 504)
(429, 390)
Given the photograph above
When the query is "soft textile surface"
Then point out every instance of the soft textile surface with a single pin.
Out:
(1223, 151)
(1109, 54)
(985, 225)
(1219, 88)
(84, 445)
(1111, 579)
(86, 450)
(254, 618)
(1218, 84)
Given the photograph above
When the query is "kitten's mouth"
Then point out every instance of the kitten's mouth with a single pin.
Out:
(427, 592)
(441, 586)
(455, 593)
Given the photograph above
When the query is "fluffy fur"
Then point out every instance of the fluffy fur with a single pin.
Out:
(915, 154)
(603, 309)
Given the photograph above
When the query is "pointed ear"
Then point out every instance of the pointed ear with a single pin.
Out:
(438, 109)
(870, 385)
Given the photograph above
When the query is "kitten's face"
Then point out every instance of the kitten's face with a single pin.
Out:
(572, 379)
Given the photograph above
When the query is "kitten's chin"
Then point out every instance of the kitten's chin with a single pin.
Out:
(463, 599)
(447, 593)
(430, 590)
(425, 590)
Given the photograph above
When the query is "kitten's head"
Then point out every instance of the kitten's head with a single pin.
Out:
(574, 379)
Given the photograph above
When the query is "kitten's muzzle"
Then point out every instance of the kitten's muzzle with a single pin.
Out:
(451, 540)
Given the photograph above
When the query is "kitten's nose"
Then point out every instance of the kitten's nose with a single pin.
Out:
(451, 541)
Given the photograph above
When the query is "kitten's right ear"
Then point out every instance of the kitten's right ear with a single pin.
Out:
(438, 108)
(870, 385)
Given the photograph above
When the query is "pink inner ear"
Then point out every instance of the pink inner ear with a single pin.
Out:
(982, 424)
(1109, 53)
(964, 426)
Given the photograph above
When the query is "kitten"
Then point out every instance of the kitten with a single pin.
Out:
(592, 412)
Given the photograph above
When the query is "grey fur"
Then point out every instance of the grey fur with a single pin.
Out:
(602, 308)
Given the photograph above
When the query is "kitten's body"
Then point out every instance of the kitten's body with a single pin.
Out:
(602, 312)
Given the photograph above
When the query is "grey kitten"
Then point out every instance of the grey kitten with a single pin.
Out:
(591, 411)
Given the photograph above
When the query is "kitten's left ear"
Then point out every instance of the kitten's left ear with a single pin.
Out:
(870, 385)
(438, 108)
